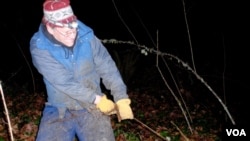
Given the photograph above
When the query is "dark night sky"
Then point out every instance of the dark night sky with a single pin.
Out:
(218, 30)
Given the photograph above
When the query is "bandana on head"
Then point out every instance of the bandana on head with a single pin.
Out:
(59, 13)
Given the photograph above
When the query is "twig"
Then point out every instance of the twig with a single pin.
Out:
(150, 129)
(7, 113)
(171, 91)
(185, 137)
(137, 120)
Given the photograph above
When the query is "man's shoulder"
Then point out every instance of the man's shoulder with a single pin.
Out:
(84, 30)
(38, 40)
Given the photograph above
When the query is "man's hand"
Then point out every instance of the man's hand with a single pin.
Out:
(124, 110)
(105, 105)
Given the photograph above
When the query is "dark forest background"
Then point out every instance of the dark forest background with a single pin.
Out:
(219, 37)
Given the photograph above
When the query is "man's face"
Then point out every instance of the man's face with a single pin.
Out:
(65, 35)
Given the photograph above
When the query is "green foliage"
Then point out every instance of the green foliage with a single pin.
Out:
(164, 133)
(175, 138)
(37, 120)
(140, 114)
(25, 119)
(129, 136)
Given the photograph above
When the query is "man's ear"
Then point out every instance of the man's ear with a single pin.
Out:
(50, 29)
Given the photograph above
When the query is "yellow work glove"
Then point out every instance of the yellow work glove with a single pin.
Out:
(105, 105)
(124, 110)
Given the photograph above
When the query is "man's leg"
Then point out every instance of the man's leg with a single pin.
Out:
(52, 128)
(94, 126)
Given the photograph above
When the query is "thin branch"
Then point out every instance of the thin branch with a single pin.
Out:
(119, 15)
(177, 100)
(150, 129)
(173, 58)
(189, 37)
(182, 134)
(171, 91)
(6, 112)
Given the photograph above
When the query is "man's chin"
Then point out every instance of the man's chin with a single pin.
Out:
(69, 44)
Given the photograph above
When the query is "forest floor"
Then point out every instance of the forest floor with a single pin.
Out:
(157, 118)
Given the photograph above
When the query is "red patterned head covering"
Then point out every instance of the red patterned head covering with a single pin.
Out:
(59, 13)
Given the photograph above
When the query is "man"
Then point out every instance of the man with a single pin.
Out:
(73, 61)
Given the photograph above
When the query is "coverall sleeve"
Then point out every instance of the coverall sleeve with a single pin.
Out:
(108, 70)
(60, 78)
